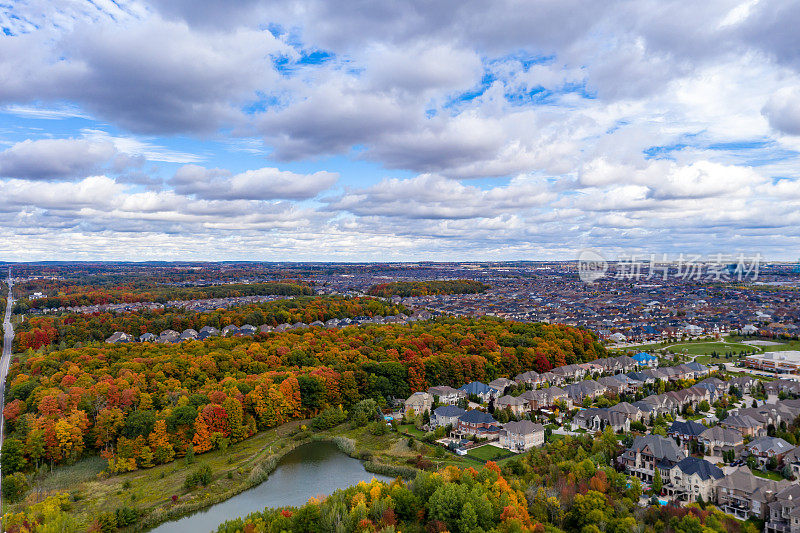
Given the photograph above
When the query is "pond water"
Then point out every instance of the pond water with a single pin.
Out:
(314, 469)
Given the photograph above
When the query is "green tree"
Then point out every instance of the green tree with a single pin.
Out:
(13, 456)
(657, 483)
(469, 519)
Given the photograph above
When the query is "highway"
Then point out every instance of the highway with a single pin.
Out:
(5, 361)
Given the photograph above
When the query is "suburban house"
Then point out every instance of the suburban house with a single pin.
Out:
(744, 495)
(633, 413)
(597, 419)
(521, 436)
(644, 379)
(516, 404)
(447, 395)
(649, 452)
(530, 378)
(119, 337)
(765, 448)
(551, 379)
(746, 425)
(419, 402)
(569, 372)
(720, 387)
(692, 478)
(500, 385)
(686, 431)
(783, 513)
(584, 389)
(612, 384)
(792, 460)
(483, 391)
(540, 399)
(646, 360)
(720, 439)
(744, 383)
(446, 415)
(477, 423)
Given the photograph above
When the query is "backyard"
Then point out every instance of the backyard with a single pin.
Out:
(488, 452)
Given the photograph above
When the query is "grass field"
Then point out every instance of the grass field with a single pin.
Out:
(768, 475)
(782, 345)
(488, 452)
(152, 489)
(235, 469)
(411, 430)
(702, 347)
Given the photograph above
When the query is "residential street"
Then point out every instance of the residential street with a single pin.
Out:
(8, 339)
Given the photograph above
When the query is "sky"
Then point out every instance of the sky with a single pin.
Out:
(355, 130)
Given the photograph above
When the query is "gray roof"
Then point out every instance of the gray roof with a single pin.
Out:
(770, 444)
(741, 421)
(624, 407)
(701, 467)
(691, 428)
(523, 427)
(477, 417)
(448, 411)
(721, 434)
(661, 447)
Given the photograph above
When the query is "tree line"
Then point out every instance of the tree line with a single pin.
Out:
(75, 296)
(427, 288)
(67, 330)
(141, 404)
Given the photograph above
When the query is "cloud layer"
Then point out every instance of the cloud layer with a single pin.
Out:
(321, 130)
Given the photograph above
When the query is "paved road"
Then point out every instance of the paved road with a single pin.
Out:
(5, 361)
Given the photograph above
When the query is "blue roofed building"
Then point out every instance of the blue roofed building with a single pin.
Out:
(481, 390)
(646, 359)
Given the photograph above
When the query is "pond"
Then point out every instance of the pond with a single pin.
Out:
(314, 469)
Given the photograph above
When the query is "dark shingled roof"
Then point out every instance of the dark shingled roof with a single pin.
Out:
(477, 417)
(691, 428)
(662, 447)
(701, 467)
(449, 411)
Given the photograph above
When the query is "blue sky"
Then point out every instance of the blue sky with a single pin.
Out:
(327, 130)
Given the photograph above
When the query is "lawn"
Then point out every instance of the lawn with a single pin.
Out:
(782, 346)
(707, 348)
(701, 347)
(767, 475)
(488, 452)
(411, 430)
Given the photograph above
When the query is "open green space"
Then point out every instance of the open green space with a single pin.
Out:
(411, 430)
(767, 475)
(701, 348)
(705, 347)
(488, 452)
(235, 469)
(781, 346)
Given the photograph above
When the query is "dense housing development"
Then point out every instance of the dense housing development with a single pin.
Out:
(427, 388)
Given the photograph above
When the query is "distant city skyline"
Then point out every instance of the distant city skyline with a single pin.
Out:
(319, 130)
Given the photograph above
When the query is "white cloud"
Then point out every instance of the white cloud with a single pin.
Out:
(260, 184)
(51, 159)
(516, 130)
(783, 110)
